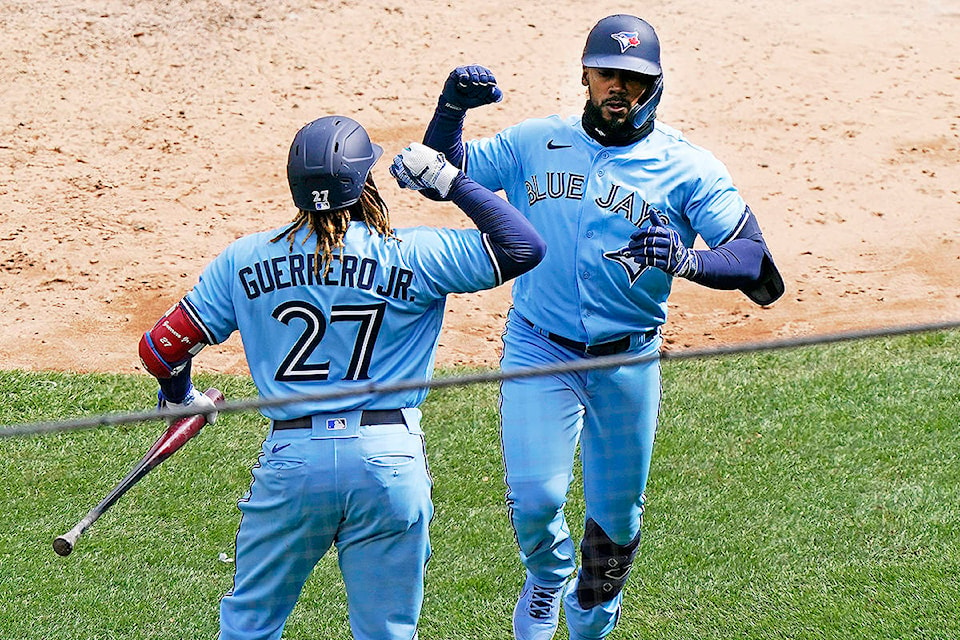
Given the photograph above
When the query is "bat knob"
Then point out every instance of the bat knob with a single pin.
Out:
(62, 546)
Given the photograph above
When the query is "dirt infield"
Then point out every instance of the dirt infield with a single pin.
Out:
(140, 138)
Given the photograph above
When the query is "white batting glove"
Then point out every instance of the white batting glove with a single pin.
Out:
(420, 167)
(195, 400)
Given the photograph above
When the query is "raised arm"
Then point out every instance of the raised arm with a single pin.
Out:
(465, 88)
(516, 245)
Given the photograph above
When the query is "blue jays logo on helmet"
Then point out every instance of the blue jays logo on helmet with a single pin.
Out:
(623, 42)
(626, 39)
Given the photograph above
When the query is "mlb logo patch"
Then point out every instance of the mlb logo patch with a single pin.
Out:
(321, 200)
(336, 424)
(626, 39)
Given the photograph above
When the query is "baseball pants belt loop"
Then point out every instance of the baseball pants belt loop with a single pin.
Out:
(601, 349)
(368, 417)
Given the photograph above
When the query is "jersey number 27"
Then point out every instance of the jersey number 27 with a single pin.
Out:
(296, 366)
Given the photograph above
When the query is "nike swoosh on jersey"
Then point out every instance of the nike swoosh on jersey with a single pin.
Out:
(552, 145)
(278, 447)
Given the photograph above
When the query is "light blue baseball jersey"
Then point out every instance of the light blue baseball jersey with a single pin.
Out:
(375, 316)
(586, 200)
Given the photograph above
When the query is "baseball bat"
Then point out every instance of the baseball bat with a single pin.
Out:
(175, 437)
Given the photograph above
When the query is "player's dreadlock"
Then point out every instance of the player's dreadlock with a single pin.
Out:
(331, 226)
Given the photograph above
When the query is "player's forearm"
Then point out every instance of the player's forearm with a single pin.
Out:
(445, 133)
(732, 265)
(175, 388)
(516, 244)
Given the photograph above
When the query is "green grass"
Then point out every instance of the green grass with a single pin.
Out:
(812, 493)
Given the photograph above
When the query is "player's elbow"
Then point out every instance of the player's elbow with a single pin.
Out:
(522, 258)
(168, 346)
(538, 249)
(151, 359)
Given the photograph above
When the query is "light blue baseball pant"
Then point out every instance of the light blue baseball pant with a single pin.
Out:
(612, 415)
(366, 489)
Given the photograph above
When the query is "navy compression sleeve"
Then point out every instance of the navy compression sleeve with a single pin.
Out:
(445, 133)
(516, 245)
(730, 266)
(740, 262)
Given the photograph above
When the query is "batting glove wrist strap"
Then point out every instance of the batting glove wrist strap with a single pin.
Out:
(420, 167)
(688, 263)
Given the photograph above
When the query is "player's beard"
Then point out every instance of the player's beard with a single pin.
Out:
(616, 133)
(611, 124)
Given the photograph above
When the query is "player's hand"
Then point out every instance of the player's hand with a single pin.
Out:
(195, 400)
(470, 86)
(420, 167)
(657, 245)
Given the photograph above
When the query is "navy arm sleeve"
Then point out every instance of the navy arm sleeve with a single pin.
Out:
(744, 262)
(730, 266)
(445, 133)
(516, 245)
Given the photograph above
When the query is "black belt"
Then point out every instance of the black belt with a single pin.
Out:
(603, 349)
(367, 418)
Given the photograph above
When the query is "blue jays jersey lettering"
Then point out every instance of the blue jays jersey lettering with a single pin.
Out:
(376, 313)
(586, 200)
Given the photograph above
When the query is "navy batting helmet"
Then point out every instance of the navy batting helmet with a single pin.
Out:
(328, 164)
(623, 42)
(628, 43)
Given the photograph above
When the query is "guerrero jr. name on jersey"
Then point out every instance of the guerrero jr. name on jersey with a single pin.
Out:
(296, 270)
(619, 200)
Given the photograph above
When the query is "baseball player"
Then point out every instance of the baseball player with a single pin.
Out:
(619, 198)
(335, 301)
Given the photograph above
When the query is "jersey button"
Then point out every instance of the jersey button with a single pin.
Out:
(586, 275)
(590, 234)
(600, 173)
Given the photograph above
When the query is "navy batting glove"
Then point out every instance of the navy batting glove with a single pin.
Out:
(661, 247)
(470, 86)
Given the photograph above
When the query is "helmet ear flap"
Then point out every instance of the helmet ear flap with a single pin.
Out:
(646, 111)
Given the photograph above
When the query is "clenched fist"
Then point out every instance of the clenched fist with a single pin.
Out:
(420, 167)
(657, 245)
(470, 86)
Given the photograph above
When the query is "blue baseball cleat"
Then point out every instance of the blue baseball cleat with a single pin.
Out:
(537, 613)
